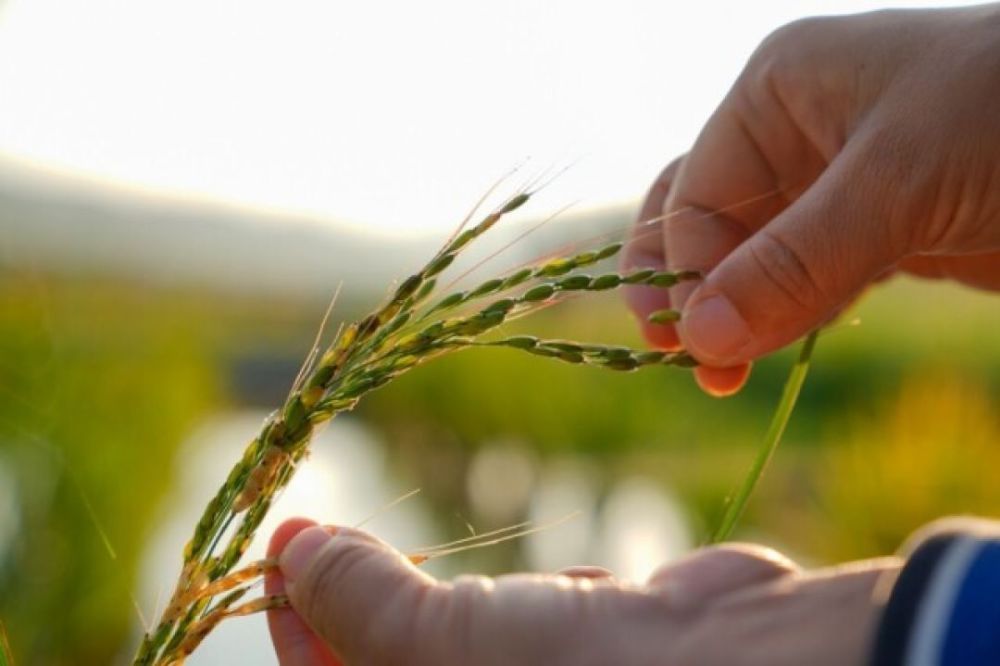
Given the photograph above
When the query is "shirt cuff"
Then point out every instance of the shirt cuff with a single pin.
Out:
(944, 609)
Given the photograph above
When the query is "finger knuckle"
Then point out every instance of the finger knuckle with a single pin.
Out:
(394, 634)
(784, 266)
(469, 622)
(797, 55)
(788, 40)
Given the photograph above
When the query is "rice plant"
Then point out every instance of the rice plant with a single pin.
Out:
(416, 324)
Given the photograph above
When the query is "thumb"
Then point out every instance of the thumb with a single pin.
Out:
(373, 607)
(357, 593)
(797, 271)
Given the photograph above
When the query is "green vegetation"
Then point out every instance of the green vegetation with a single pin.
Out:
(102, 381)
(365, 355)
(737, 503)
(6, 658)
(658, 424)
(99, 384)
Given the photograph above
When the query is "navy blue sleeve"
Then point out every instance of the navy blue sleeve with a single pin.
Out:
(944, 609)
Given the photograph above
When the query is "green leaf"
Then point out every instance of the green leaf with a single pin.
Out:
(789, 395)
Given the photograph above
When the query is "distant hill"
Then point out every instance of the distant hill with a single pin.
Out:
(73, 224)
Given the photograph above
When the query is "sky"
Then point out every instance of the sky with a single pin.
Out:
(391, 115)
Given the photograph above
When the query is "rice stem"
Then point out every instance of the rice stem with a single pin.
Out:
(789, 395)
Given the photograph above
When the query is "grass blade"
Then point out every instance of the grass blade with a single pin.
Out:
(6, 658)
(789, 396)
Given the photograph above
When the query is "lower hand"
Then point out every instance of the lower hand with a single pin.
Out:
(355, 600)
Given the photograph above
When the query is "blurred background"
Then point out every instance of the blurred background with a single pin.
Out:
(184, 184)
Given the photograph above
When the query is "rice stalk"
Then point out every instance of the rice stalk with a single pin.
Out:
(414, 325)
(487, 539)
(789, 395)
(386, 507)
(178, 651)
(402, 333)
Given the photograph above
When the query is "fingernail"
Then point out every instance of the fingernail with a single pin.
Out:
(714, 329)
(301, 551)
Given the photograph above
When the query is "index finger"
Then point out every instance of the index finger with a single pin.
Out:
(725, 191)
(644, 249)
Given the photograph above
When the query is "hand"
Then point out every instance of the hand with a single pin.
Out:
(849, 148)
(355, 600)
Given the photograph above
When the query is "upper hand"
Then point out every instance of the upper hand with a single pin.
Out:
(849, 148)
(355, 600)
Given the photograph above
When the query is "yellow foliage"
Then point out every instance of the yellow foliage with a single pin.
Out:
(933, 452)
